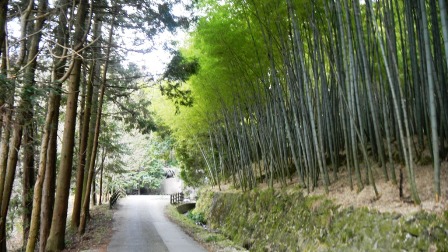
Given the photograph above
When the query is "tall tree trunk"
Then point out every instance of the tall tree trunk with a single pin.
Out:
(307, 96)
(6, 134)
(56, 237)
(84, 135)
(444, 18)
(9, 180)
(94, 190)
(81, 153)
(24, 115)
(101, 185)
(4, 148)
(403, 123)
(54, 101)
(27, 174)
(373, 110)
(37, 199)
(28, 140)
(8, 109)
(431, 101)
(3, 20)
(86, 200)
(49, 185)
(94, 114)
(57, 232)
(3, 86)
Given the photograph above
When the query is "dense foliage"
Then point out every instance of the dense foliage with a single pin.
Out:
(315, 88)
(67, 83)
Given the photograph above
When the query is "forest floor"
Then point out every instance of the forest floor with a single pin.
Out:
(96, 237)
(389, 196)
(98, 232)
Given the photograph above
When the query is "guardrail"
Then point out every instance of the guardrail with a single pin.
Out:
(176, 198)
(114, 198)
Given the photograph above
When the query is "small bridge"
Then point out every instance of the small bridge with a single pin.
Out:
(182, 207)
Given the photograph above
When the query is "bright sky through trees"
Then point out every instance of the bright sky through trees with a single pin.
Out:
(155, 62)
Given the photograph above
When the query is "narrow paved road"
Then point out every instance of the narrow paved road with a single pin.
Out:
(141, 226)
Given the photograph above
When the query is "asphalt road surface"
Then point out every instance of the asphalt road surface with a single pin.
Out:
(140, 225)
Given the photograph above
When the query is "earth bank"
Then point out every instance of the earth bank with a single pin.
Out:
(280, 220)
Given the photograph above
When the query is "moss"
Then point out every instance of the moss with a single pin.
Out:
(269, 220)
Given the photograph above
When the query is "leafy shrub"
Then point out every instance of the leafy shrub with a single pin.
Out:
(198, 218)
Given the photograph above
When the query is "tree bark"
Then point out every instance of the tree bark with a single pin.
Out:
(3, 20)
(49, 185)
(94, 201)
(28, 141)
(9, 180)
(58, 71)
(57, 232)
(24, 117)
(6, 134)
(3, 88)
(28, 174)
(100, 202)
(86, 200)
(84, 135)
(56, 237)
(37, 199)
(4, 150)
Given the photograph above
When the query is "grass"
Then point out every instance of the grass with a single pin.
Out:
(212, 241)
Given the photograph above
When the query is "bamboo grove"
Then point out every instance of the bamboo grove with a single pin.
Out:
(60, 71)
(304, 88)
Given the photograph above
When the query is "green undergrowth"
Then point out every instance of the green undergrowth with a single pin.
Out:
(197, 218)
(212, 240)
(269, 220)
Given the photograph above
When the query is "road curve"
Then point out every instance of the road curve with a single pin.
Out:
(140, 225)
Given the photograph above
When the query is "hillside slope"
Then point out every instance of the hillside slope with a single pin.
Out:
(289, 219)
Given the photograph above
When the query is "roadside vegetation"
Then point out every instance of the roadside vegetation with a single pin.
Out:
(194, 226)
(287, 220)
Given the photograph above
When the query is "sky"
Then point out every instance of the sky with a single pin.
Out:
(153, 62)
